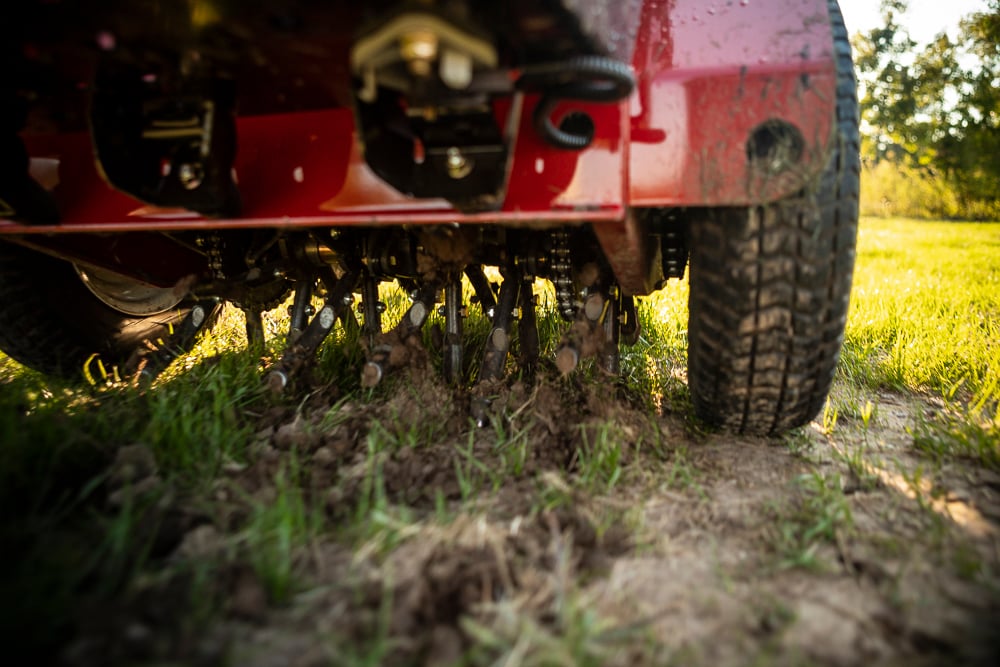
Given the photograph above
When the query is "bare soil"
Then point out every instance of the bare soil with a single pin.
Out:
(706, 549)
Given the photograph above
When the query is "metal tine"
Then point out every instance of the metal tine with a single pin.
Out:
(497, 343)
(255, 328)
(371, 309)
(453, 343)
(381, 359)
(300, 309)
(148, 364)
(302, 349)
(481, 286)
(527, 329)
(609, 355)
(592, 332)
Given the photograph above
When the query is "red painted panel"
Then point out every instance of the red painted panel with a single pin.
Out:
(306, 169)
(708, 73)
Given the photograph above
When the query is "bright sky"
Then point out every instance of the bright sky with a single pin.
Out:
(924, 19)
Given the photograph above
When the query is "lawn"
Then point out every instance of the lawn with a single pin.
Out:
(593, 522)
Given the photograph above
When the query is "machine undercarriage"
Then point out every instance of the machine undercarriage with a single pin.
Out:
(158, 158)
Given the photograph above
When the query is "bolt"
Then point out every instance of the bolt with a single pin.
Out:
(458, 166)
(310, 311)
(379, 306)
(190, 175)
(348, 299)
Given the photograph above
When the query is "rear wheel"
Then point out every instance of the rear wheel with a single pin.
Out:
(770, 287)
(52, 320)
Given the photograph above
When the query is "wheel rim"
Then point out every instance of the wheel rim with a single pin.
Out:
(127, 295)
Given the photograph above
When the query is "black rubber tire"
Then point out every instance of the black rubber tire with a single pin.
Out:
(50, 321)
(769, 289)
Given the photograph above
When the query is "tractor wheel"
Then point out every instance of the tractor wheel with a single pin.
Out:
(55, 316)
(770, 287)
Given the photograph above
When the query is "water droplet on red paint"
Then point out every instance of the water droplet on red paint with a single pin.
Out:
(106, 41)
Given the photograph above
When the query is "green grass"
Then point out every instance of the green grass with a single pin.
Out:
(955, 434)
(925, 309)
(818, 514)
(278, 531)
(924, 319)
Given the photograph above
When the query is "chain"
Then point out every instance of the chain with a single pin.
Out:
(675, 253)
(670, 229)
(562, 276)
(211, 245)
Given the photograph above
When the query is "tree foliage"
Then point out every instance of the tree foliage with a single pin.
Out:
(935, 107)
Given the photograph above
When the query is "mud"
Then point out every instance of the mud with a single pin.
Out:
(444, 544)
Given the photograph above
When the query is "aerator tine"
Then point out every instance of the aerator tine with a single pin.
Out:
(145, 365)
(390, 351)
(302, 349)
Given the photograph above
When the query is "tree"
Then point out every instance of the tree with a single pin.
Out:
(935, 108)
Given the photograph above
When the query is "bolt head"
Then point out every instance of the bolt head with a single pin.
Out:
(190, 175)
(458, 165)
